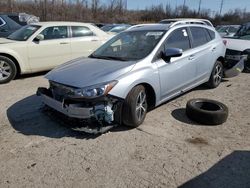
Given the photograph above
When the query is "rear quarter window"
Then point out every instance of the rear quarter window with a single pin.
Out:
(211, 33)
(199, 36)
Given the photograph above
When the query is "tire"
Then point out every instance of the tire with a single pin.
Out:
(247, 64)
(205, 111)
(135, 107)
(8, 70)
(216, 75)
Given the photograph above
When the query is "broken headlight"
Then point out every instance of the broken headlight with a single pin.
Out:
(94, 91)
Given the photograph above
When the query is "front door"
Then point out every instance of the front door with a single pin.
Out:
(52, 51)
(179, 72)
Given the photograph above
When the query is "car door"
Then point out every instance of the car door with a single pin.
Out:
(52, 51)
(83, 41)
(204, 51)
(179, 72)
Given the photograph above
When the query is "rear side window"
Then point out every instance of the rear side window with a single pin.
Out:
(81, 31)
(211, 33)
(199, 36)
(178, 39)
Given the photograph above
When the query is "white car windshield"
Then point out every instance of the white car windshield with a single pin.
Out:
(129, 45)
(24, 33)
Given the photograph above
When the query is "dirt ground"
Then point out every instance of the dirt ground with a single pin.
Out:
(168, 150)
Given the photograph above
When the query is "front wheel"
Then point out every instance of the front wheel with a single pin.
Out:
(135, 107)
(8, 70)
(216, 75)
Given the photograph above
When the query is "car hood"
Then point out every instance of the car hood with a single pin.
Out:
(6, 41)
(84, 72)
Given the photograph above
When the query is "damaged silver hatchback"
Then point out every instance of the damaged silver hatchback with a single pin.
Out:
(135, 71)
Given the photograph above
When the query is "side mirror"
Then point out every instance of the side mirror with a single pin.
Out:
(171, 52)
(39, 37)
(227, 32)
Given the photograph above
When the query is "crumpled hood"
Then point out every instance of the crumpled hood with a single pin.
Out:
(83, 72)
(6, 41)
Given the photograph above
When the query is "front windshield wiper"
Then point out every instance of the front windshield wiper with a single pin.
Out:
(108, 57)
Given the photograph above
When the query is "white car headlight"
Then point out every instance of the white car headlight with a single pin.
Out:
(95, 91)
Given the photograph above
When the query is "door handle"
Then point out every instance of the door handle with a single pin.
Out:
(191, 57)
(94, 40)
(64, 43)
(213, 49)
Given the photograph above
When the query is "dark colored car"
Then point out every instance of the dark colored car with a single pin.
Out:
(10, 22)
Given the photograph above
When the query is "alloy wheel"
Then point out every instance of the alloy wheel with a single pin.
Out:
(218, 74)
(5, 70)
(141, 105)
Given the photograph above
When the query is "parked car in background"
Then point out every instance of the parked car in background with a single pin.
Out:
(238, 47)
(10, 22)
(136, 70)
(227, 30)
(45, 45)
(115, 28)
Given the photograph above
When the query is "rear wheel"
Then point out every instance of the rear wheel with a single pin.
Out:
(8, 70)
(135, 107)
(216, 75)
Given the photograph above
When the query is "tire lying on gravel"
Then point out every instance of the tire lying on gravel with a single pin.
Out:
(206, 111)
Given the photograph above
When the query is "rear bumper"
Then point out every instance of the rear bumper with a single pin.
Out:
(70, 110)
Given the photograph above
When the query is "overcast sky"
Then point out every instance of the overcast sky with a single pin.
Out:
(214, 5)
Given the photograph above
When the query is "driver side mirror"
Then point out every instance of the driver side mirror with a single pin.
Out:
(171, 52)
(39, 37)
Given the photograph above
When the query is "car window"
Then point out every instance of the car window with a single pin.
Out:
(81, 31)
(199, 36)
(178, 39)
(232, 29)
(1, 21)
(55, 32)
(211, 33)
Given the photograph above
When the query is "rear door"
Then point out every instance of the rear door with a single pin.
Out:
(52, 51)
(204, 51)
(179, 72)
(83, 41)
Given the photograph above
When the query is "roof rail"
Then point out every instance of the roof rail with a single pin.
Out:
(141, 25)
(174, 22)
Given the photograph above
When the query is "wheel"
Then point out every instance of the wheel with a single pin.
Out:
(8, 70)
(247, 64)
(216, 75)
(135, 107)
(205, 111)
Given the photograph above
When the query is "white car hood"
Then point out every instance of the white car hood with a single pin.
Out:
(6, 41)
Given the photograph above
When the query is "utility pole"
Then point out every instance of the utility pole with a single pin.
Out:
(221, 5)
(199, 9)
(183, 8)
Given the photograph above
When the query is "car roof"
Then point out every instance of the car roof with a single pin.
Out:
(142, 27)
(61, 23)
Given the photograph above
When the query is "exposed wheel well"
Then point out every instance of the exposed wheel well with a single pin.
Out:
(151, 98)
(14, 60)
(222, 60)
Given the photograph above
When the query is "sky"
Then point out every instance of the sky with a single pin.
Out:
(213, 5)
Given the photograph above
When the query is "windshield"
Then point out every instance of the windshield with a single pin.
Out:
(129, 45)
(243, 32)
(24, 33)
(107, 27)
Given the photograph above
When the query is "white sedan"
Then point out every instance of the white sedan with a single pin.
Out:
(45, 45)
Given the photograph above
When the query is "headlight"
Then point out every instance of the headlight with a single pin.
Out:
(95, 91)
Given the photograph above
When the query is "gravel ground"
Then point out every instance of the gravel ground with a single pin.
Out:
(168, 150)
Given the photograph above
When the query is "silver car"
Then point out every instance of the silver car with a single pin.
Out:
(135, 71)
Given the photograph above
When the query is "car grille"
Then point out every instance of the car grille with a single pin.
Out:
(60, 91)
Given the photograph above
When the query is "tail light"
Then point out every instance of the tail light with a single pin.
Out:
(225, 42)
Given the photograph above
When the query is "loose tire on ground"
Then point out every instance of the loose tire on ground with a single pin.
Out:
(216, 75)
(206, 111)
(135, 107)
(8, 70)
